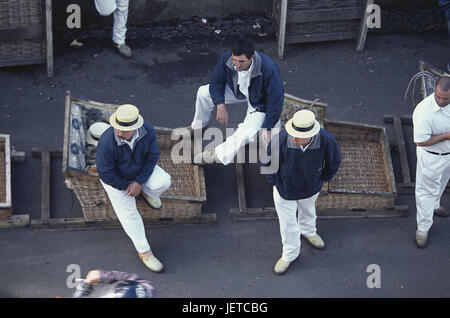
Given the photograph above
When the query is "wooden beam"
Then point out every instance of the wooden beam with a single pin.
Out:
(30, 61)
(49, 37)
(363, 28)
(402, 151)
(241, 187)
(270, 213)
(82, 224)
(282, 29)
(320, 37)
(306, 16)
(45, 186)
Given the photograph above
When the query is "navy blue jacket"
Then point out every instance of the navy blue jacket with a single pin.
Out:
(118, 166)
(300, 175)
(266, 92)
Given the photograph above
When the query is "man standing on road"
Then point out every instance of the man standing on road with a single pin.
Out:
(120, 10)
(126, 159)
(431, 121)
(308, 156)
(241, 75)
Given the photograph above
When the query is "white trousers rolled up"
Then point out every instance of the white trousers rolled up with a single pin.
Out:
(291, 225)
(244, 134)
(125, 206)
(120, 10)
(432, 175)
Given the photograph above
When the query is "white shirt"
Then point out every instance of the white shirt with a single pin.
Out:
(244, 83)
(429, 120)
(133, 140)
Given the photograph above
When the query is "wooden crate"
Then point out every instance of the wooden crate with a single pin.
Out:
(183, 199)
(365, 179)
(26, 33)
(5, 178)
(302, 21)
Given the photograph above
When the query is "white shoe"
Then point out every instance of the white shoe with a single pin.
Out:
(152, 263)
(421, 239)
(281, 266)
(154, 203)
(315, 241)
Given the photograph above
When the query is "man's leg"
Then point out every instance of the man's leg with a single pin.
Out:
(120, 22)
(204, 105)
(158, 183)
(307, 221)
(429, 173)
(243, 135)
(125, 208)
(105, 7)
(289, 227)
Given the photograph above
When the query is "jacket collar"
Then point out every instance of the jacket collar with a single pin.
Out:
(315, 143)
(256, 71)
(141, 131)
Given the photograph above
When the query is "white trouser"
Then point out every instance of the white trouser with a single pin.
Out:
(120, 9)
(432, 175)
(125, 206)
(246, 131)
(291, 226)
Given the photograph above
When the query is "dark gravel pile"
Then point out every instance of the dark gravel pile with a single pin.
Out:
(392, 22)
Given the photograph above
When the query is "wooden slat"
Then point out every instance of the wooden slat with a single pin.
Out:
(282, 29)
(45, 185)
(30, 61)
(402, 151)
(49, 37)
(320, 37)
(241, 187)
(270, 213)
(303, 16)
(82, 224)
(25, 33)
(363, 29)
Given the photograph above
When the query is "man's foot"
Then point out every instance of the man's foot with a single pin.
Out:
(315, 241)
(281, 266)
(151, 262)
(207, 156)
(154, 203)
(124, 50)
(441, 211)
(421, 239)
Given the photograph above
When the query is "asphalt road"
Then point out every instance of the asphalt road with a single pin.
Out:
(229, 258)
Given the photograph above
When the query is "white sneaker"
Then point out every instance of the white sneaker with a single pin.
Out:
(421, 239)
(281, 266)
(152, 263)
(154, 203)
(315, 241)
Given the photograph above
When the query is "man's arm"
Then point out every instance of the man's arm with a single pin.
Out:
(333, 159)
(106, 167)
(275, 99)
(434, 140)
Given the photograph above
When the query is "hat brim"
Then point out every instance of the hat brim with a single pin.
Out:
(139, 123)
(91, 140)
(302, 134)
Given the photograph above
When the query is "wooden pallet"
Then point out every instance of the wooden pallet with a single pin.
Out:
(298, 24)
(36, 39)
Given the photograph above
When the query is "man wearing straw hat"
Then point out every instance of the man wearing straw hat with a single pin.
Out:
(308, 156)
(126, 159)
(431, 122)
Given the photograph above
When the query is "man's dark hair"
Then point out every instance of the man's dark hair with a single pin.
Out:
(443, 83)
(243, 47)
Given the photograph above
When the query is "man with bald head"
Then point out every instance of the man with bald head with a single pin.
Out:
(431, 121)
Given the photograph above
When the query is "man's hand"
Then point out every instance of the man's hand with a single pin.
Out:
(133, 189)
(93, 277)
(266, 135)
(222, 114)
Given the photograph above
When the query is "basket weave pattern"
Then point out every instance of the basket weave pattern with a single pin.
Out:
(21, 14)
(2, 170)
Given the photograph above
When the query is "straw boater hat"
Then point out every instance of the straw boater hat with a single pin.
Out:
(303, 124)
(126, 118)
(95, 131)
